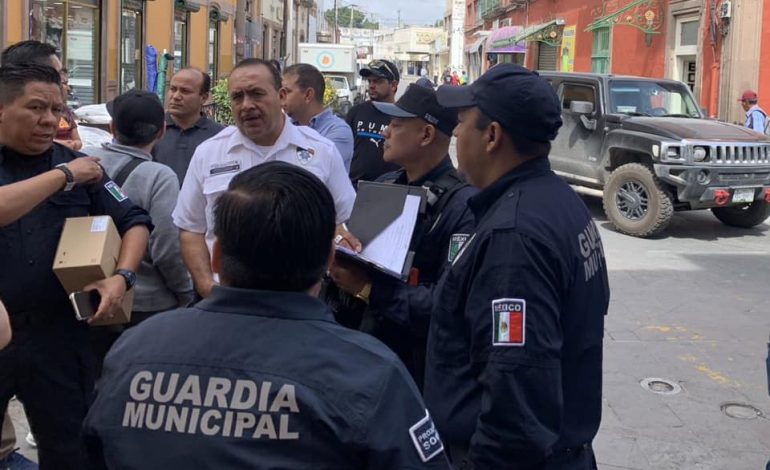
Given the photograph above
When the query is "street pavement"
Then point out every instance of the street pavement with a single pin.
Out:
(691, 307)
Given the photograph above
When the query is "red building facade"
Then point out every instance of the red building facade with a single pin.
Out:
(714, 46)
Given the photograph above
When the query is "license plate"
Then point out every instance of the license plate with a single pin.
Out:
(743, 195)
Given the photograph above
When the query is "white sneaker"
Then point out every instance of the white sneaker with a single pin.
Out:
(31, 439)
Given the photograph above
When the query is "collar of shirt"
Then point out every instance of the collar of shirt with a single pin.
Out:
(289, 136)
(274, 304)
(483, 201)
(753, 109)
(320, 119)
(127, 150)
(432, 175)
(202, 123)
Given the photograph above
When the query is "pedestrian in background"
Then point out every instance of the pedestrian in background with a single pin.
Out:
(186, 125)
(514, 364)
(756, 117)
(368, 124)
(302, 98)
(67, 134)
(162, 281)
(258, 375)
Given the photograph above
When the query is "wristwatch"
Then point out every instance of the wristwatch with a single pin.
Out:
(68, 175)
(128, 276)
(364, 293)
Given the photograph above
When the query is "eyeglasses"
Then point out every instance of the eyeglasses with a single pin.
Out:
(377, 64)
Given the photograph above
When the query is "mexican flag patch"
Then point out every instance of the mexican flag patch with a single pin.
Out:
(456, 242)
(508, 322)
(115, 191)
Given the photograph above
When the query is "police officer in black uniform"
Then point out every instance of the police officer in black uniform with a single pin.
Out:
(514, 363)
(49, 363)
(417, 139)
(258, 375)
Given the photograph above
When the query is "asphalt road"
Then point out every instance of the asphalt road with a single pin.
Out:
(692, 307)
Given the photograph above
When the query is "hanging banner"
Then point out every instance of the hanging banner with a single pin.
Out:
(568, 49)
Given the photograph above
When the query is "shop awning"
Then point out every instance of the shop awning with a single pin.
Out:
(502, 41)
(647, 17)
(475, 45)
(549, 33)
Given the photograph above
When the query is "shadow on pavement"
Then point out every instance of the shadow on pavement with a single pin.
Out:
(695, 225)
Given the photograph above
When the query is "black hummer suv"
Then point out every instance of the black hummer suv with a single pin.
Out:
(645, 146)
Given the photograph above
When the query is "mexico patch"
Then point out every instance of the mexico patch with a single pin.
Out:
(456, 242)
(115, 191)
(425, 437)
(508, 322)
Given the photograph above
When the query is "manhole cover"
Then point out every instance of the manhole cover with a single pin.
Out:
(740, 410)
(660, 386)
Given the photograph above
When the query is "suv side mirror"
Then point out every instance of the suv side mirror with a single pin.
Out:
(584, 108)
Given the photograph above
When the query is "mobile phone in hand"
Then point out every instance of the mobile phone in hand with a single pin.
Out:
(85, 303)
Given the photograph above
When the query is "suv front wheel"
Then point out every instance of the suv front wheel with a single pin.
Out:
(635, 202)
(743, 216)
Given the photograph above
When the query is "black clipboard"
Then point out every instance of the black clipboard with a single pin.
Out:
(377, 205)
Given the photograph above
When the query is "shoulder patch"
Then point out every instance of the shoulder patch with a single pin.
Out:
(462, 249)
(509, 322)
(115, 191)
(426, 439)
(305, 155)
(456, 242)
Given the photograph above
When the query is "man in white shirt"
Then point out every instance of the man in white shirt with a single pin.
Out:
(262, 133)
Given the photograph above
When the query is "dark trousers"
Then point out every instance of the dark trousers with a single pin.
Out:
(49, 367)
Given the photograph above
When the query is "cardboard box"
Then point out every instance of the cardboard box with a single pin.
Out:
(88, 251)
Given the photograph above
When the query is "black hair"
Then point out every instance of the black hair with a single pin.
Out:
(265, 63)
(206, 85)
(13, 79)
(275, 226)
(28, 52)
(142, 134)
(524, 146)
(275, 64)
(308, 77)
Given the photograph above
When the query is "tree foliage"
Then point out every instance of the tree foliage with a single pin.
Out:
(343, 18)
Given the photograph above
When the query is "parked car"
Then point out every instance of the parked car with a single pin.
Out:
(646, 147)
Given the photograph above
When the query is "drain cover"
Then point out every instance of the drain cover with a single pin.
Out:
(660, 386)
(740, 410)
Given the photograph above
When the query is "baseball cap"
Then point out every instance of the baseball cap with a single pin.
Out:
(749, 95)
(420, 102)
(523, 102)
(425, 81)
(381, 69)
(135, 107)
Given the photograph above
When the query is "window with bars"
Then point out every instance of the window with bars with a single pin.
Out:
(601, 53)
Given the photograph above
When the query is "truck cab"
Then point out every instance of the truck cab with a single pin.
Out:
(646, 146)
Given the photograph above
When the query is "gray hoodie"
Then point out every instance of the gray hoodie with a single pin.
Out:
(162, 281)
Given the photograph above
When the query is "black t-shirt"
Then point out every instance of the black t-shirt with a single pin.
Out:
(368, 124)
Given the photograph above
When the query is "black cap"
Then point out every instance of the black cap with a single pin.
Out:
(381, 69)
(523, 102)
(426, 82)
(136, 107)
(421, 102)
